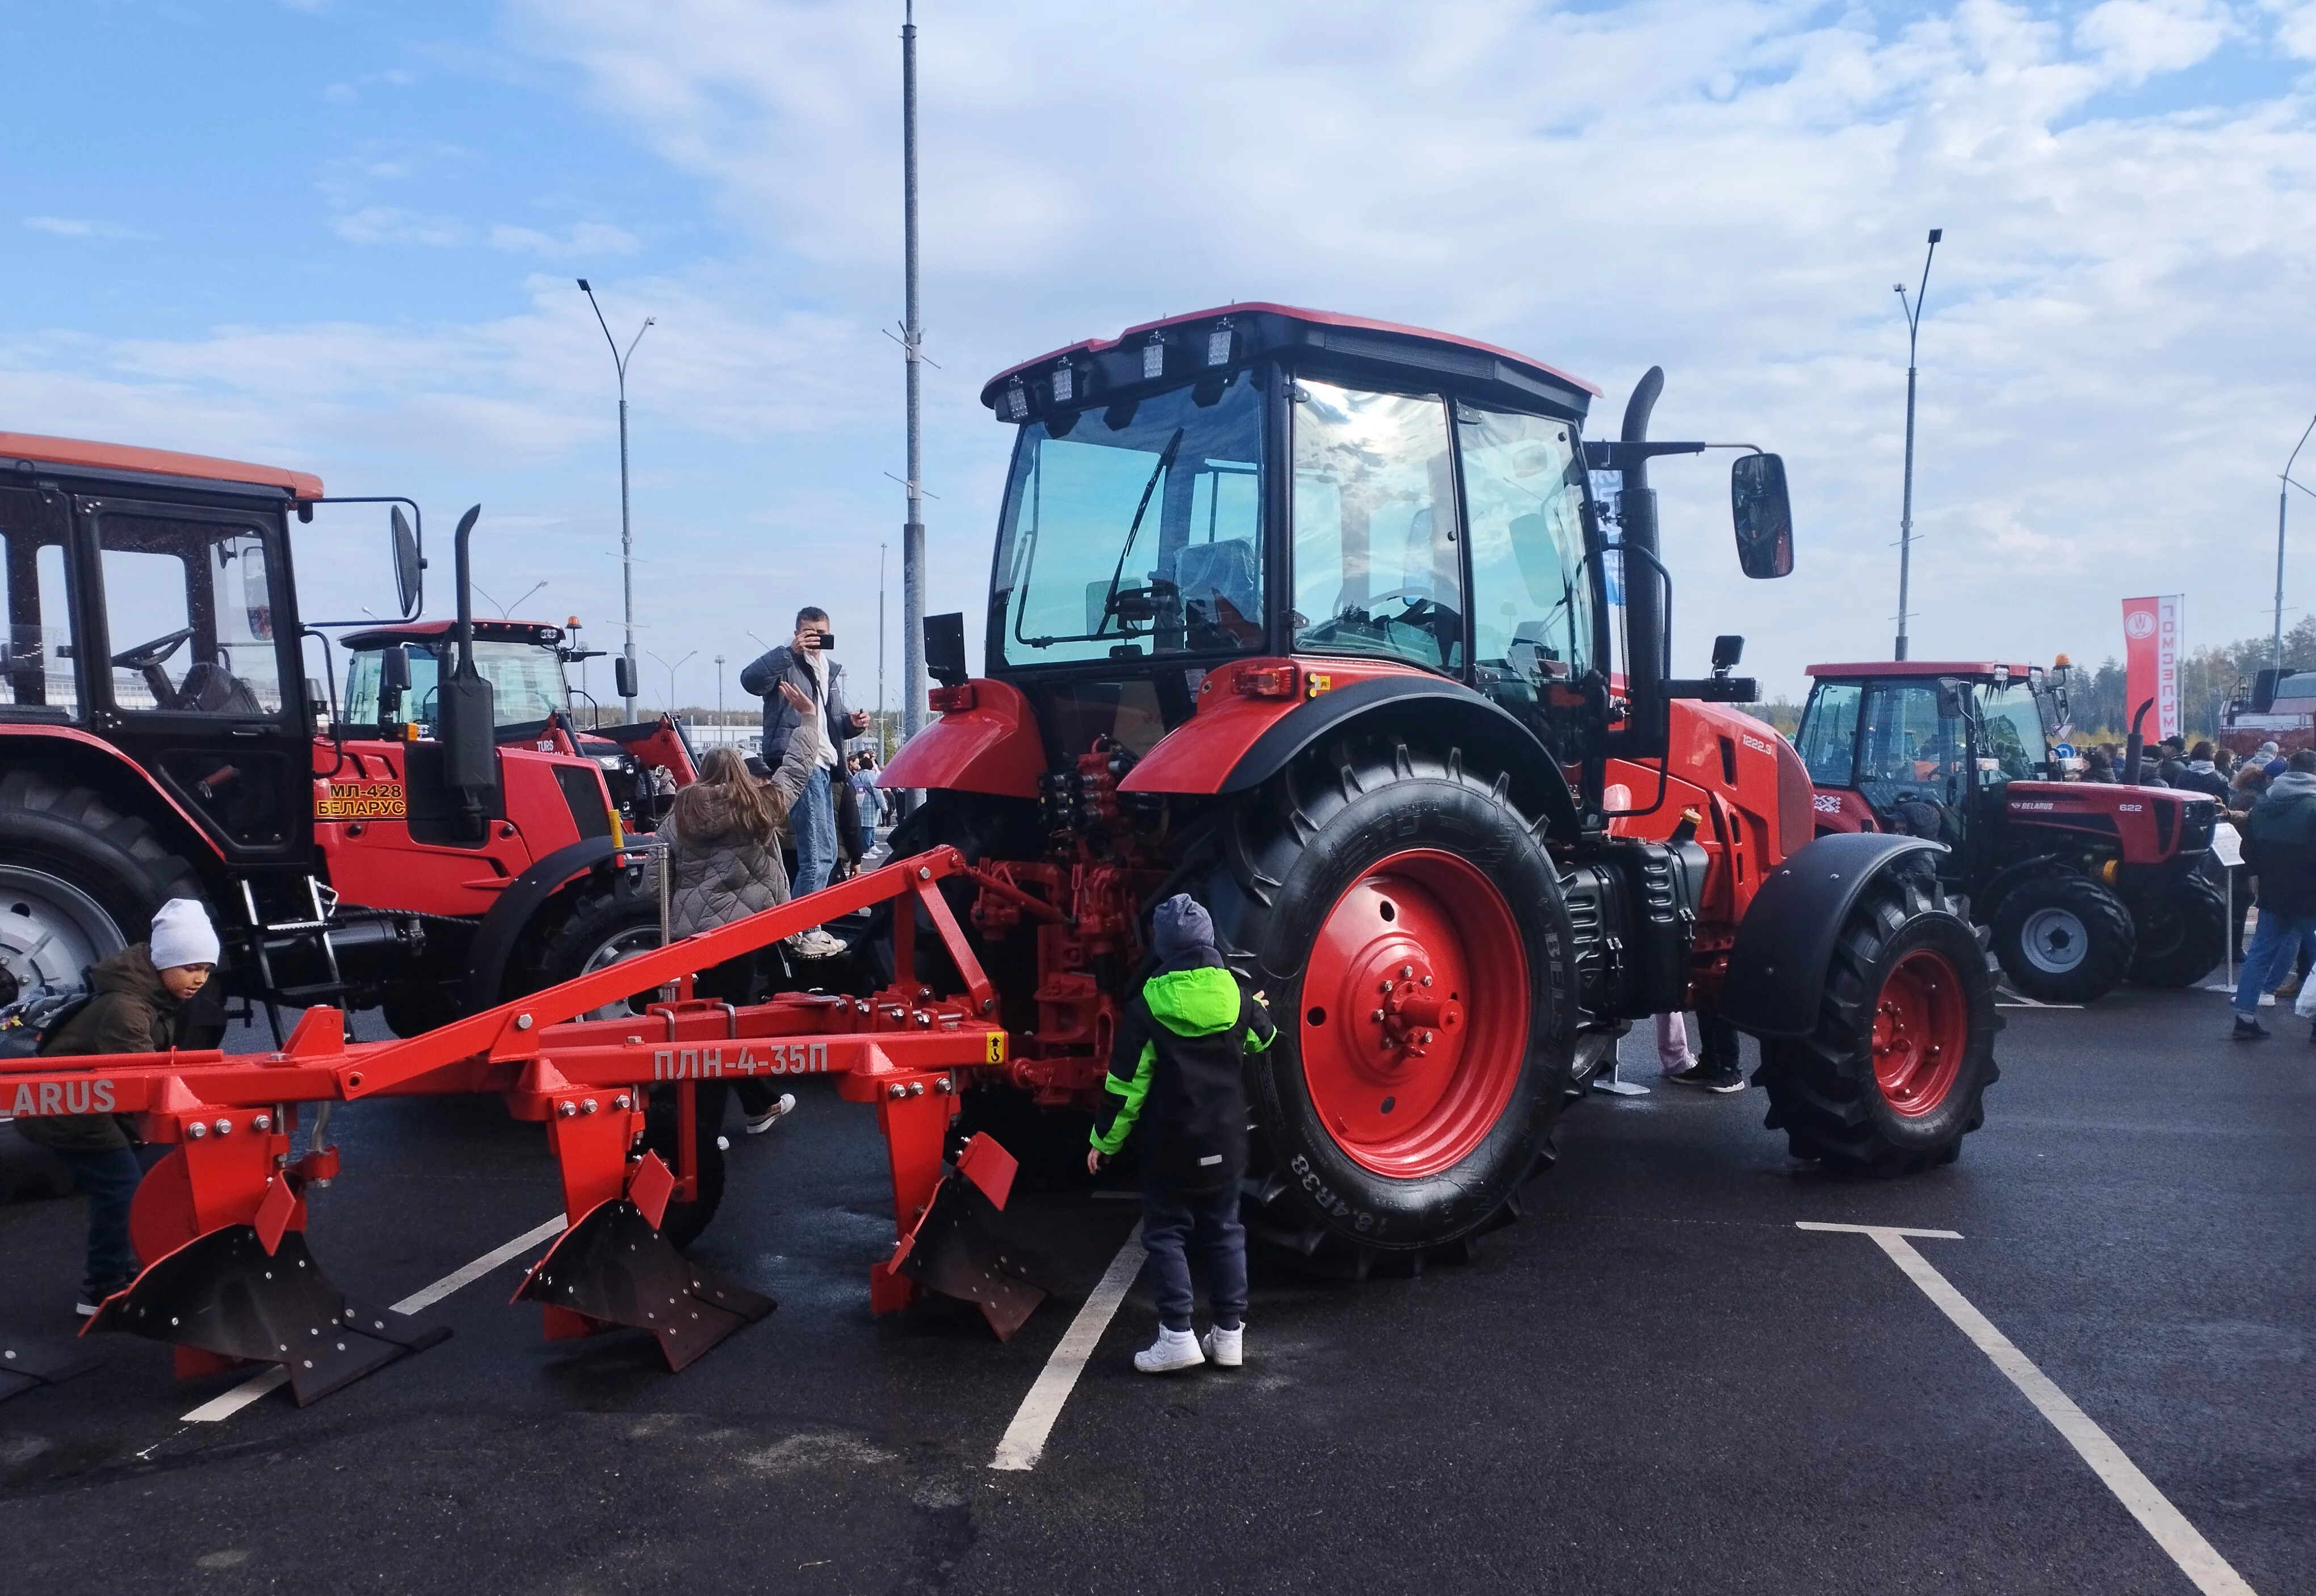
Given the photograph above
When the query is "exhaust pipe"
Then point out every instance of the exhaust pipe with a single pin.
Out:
(466, 717)
(2134, 746)
(1646, 664)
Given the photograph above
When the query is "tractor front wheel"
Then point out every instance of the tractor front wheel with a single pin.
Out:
(606, 919)
(1411, 937)
(1892, 1078)
(2183, 932)
(2063, 939)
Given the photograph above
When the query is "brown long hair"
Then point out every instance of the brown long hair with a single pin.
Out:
(726, 793)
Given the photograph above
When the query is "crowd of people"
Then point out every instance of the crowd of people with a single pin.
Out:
(2199, 767)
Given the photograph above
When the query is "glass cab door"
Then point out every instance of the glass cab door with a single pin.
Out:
(190, 674)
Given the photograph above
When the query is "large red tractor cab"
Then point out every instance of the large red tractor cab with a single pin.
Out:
(1309, 616)
(168, 729)
(2081, 884)
(393, 689)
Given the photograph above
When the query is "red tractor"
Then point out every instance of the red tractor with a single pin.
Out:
(160, 736)
(1309, 616)
(2081, 884)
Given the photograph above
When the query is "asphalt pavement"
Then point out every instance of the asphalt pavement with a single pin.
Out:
(1654, 1382)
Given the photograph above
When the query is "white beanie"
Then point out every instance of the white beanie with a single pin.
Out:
(182, 934)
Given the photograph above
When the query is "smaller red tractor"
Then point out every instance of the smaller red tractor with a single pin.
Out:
(2082, 884)
(444, 840)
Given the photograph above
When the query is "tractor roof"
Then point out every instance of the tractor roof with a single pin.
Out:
(1978, 669)
(29, 451)
(430, 631)
(1105, 370)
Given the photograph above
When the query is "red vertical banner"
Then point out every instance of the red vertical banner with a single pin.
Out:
(2153, 645)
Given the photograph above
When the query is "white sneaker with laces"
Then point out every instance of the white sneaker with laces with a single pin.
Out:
(1225, 1348)
(817, 944)
(1174, 1350)
(759, 1123)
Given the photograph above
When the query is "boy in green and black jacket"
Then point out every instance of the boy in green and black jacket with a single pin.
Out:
(1177, 1074)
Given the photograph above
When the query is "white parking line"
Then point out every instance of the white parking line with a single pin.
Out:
(2156, 1515)
(257, 1385)
(1024, 1441)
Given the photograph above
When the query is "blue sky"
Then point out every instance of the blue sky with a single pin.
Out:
(342, 235)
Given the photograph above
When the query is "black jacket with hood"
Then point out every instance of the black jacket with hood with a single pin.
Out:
(132, 1013)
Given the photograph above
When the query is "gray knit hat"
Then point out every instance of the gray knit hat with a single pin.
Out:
(1180, 925)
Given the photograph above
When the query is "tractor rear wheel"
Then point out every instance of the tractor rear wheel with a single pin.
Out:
(1411, 937)
(79, 879)
(2183, 932)
(2063, 939)
(1892, 1078)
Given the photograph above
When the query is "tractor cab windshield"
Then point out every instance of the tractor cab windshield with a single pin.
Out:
(526, 681)
(1134, 529)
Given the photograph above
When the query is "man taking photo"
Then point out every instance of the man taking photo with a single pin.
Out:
(802, 662)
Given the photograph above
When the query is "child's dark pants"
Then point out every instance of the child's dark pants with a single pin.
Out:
(1176, 1225)
(110, 1178)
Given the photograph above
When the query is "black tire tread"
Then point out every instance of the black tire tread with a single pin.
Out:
(1822, 1090)
(2203, 941)
(2114, 939)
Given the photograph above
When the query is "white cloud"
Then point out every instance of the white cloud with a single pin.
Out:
(580, 241)
(74, 227)
(391, 224)
(2136, 39)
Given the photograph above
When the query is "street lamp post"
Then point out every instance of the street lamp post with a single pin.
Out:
(626, 539)
(719, 697)
(503, 609)
(672, 670)
(912, 530)
(1906, 516)
(2283, 493)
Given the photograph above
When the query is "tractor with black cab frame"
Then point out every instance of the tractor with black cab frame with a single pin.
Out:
(2081, 885)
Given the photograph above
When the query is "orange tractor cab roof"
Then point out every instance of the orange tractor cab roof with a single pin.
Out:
(30, 451)
(1980, 670)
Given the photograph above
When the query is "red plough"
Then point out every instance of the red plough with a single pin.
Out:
(222, 1215)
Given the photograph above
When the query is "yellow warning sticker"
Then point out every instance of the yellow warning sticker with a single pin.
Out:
(996, 1046)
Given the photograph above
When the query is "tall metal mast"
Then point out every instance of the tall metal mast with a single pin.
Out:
(912, 530)
(2283, 493)
(1906, 515)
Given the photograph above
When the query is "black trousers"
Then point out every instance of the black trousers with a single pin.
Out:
(1177, 1225)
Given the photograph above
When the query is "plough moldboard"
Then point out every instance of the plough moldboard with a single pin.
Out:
(220, 1219)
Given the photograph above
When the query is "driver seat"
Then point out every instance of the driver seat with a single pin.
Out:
(209, 688)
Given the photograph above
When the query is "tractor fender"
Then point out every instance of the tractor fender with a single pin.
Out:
(1243, 746)
(1987, 899)
(1776, 983)
(502, 928)
(990, 745)
(92, 762)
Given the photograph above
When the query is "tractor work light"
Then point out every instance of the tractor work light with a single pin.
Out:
(1265, 682)
(1017, 401)
(1153, 358)
(1065, 383)
(1218, 344)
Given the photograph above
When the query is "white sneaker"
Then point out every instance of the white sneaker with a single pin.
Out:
(759, 1123)
(1174, 1350)
(817, 944)
(1225, 1348)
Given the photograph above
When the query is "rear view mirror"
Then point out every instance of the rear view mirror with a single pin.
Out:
(394, 667)
(407, 565)
(1764, 517)
(1950, 699)
(945, 648)
(623, 675)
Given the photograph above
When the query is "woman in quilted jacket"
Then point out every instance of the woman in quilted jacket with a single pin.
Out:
(724, 847)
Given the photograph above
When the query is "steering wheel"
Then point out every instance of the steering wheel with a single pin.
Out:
(146, 656)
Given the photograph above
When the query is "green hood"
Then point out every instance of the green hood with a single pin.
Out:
(1193, 1002)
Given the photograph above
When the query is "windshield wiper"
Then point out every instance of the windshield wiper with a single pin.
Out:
(1165, 458)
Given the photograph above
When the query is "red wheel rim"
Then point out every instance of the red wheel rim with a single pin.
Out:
(1415, 1014)
(1921, 1029)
